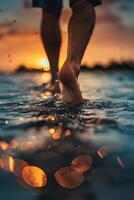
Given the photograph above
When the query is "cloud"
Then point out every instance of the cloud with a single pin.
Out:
(108, 17)
(112, 37)
(117, 12)
(116, 1)
(17, 23)
(9, 29)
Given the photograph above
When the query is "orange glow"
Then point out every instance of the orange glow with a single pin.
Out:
(82, 163)
(46, 95)
(67, 133)
(3, 145)
(34, 176)
(11, 164)
(68, 177)
(50, 118)
(43, 78)
(56, 135)
(7, 163)
(33, 55)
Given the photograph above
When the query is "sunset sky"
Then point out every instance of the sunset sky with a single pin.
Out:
(20, 42)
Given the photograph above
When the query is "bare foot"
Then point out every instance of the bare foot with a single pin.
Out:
(70, 89)
(49, 87)
(54, 88)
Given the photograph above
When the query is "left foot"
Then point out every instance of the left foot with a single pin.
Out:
(54, 88)
(48, 87)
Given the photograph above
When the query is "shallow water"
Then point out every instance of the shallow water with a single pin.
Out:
(50, 135)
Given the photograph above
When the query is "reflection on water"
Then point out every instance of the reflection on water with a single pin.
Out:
(82, 163)
(69, 177)
(34, 176)
(70, 153)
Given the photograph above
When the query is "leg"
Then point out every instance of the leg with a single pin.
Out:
(51, 38)
(80, 30)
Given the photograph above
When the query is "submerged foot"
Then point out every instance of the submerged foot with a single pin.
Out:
(54, 88)
(70, 89)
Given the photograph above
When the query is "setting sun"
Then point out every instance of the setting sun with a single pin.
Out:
(45, 65)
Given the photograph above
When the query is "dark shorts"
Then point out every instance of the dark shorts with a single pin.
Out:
(55, 5)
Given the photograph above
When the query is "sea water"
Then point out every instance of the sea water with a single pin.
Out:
(49, 134)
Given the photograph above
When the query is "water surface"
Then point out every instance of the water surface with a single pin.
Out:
(50, 135)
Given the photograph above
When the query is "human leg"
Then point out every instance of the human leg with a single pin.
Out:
(80, 29)
(51, 38)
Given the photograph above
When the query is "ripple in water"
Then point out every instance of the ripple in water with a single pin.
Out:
(40, 131)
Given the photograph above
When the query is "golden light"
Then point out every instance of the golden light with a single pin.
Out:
(68, 177)
(46, 95)
(7, 163)
(55, 134)
(44, 77)
(34, 176)
(50, 118)
(52, 130)
(45, 65)
(3, 145)
(11, 164)
(82, 163)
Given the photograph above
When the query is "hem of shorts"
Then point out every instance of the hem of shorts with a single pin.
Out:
(46, 9)
(94, 4)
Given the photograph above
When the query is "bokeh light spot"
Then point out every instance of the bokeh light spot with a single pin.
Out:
(3, 145)
(56, 135)
(82, 163)
(34, 176)
(69, 178)
(7, 163)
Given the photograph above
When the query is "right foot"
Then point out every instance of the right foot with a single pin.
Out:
(70, 89)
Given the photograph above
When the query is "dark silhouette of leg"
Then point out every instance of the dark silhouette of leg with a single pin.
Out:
(80, 29)
(51, 38)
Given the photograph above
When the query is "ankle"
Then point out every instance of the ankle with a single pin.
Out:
(74, 66)
(54, 80)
